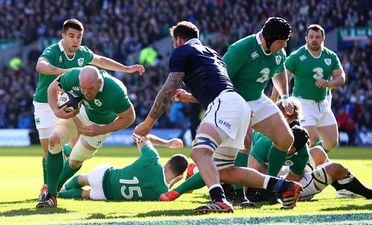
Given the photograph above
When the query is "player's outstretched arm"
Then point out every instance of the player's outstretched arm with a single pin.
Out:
(170, 143)
(110, 64)
(43, 66)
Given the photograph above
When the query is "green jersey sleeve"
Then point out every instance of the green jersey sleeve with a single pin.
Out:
(299, 161)
(69, 79)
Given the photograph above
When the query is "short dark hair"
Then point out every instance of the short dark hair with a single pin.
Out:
(178, 164)
(185, 30)
(72, 23)
(315, 27)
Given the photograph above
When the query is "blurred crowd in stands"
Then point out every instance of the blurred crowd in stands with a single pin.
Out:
(118, 28)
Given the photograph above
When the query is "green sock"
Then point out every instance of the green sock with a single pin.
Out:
(320, 143)
(67, 150)
(66, 173)
(276, 159)
(192, 183)
(54, 167)
(73, 183)
(45, 178)
(72, 193)
(240, 161)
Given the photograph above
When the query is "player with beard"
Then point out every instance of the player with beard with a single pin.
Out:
(315, 70)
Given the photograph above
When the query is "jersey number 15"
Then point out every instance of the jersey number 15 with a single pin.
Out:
(128, 192)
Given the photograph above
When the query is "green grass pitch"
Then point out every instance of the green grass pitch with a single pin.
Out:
(20, 181)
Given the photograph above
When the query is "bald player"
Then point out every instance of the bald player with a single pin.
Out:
(106, 108)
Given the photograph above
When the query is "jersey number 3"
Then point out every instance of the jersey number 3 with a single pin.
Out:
(128, 192)
(318, 73)
(265, 72)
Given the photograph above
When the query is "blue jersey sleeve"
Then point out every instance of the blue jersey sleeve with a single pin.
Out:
(178, 60)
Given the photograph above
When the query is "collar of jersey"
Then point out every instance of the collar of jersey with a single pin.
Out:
(315, 57)
(193, 41)
(260, 43)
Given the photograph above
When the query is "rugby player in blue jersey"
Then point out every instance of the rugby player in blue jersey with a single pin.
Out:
(221, 132)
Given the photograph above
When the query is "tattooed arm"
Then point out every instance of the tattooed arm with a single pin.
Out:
(162, 100)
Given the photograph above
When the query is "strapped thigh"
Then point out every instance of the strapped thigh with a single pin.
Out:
(204, 141)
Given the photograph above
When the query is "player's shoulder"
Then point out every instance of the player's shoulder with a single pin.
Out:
(53, 48)
(112, 81)
(328, 52)
(301, 50)
(247, 42)
(84, 48)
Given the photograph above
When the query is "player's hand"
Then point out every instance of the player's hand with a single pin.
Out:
(136, 68)
(143, 129)
(91, 130)
(321, 83)
(61, 113)
(184, 96)
(175, 143)
(288, 108)
(138, 139)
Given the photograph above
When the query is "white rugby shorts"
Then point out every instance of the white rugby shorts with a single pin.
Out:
(95, 179)
(95, 141)
(317, 114)
(262, 108)
(45, 119)
(229, 112)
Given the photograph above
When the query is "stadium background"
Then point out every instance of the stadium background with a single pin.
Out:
(131, 31)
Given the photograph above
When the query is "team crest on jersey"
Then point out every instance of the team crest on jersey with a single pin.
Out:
(60, 59)
(81, 61)
(302, 57)
(278, 59)
(254, 55)
(288, 163)
(97, 102)
(327, 61)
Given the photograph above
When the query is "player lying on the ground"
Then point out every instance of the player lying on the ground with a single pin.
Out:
(145, 179)
(314, 179)
(195, 182)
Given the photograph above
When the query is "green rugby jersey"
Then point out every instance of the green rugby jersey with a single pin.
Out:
(306, 69)
(250, 68)
(111, 100)
(143, 180)
(260, 151)
(57, 57)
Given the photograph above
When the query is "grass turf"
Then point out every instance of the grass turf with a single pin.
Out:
(20, 176)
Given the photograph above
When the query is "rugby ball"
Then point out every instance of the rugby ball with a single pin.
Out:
(70, 99)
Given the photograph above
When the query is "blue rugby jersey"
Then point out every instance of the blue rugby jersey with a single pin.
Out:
(205, 72)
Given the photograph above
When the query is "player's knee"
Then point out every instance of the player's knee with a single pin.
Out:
(329, 145)
(81, 152)
(74, 164)
(340, 170)
(284, 141)
(55, 145)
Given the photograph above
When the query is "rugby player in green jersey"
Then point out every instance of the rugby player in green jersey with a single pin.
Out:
(57, 59)
(251, 62)
(315, 70)
(143, 180)
(309, 166)
(106, 108)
